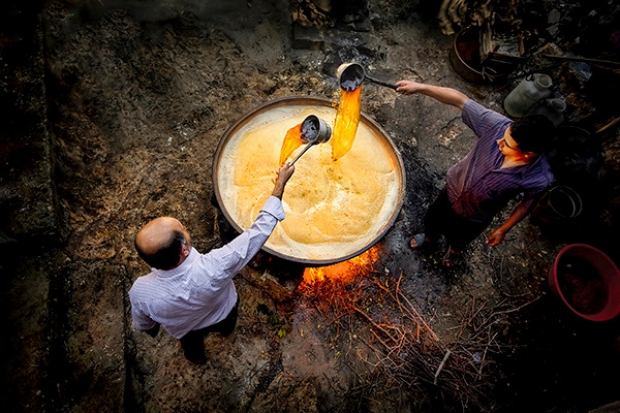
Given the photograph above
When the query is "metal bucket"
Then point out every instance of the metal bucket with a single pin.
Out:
(465, 59)
(559, 204)
(278, 113)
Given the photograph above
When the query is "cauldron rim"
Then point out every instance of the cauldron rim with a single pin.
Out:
(310, 100)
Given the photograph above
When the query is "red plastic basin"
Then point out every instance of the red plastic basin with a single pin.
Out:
(587, 281)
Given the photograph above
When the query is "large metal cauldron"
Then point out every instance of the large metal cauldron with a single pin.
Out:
(353, 202)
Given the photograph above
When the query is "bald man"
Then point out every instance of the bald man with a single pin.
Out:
(192, 294)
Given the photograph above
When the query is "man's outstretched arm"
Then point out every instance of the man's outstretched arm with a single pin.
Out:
(445, 95)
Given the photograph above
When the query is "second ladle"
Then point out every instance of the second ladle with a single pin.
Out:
(351, 76)
(314, 130)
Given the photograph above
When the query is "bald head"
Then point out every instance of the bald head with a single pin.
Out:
(163, 243)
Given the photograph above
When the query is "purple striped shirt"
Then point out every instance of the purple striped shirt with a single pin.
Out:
(477, 187)
(200, 292)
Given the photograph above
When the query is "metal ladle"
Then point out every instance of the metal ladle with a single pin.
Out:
(351, 76)
(314, 130)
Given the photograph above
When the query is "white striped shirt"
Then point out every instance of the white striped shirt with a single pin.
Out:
(200, 292)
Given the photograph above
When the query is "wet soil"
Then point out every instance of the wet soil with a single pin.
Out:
(138, 99)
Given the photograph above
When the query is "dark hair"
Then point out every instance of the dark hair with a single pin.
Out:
(532, 133)
(166, 257)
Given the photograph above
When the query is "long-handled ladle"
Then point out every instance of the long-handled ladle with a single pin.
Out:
(314, 130)
(351, 76)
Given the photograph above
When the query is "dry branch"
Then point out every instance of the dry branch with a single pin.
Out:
(443, 363)
(407, 352)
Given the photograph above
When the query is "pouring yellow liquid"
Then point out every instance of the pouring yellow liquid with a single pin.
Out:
(347, 119)
(345, 127)
(292, 141)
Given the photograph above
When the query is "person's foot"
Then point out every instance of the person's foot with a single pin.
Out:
(452, 258)
(195, 355)
(197, 359)
(418, 241)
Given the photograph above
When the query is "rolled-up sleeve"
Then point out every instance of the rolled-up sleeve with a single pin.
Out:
(482, 120)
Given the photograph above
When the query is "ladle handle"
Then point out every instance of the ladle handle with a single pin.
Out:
(379, 82)
(302, 152)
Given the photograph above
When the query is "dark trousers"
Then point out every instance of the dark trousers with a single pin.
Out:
(441, 219)
(192, 343)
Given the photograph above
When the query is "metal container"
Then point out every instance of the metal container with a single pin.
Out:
(552, 109)
(300, 106)
(559, 204)
(465, 59)
(528, 94)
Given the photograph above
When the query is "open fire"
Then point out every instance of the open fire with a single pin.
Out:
(345, 272)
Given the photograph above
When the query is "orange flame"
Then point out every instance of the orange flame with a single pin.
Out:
(346, 271)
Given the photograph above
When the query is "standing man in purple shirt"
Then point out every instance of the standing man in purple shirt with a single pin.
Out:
(506, 161)
(192, 294)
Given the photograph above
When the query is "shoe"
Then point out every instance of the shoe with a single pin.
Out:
(197, 360)
(420, 240)
(451, 259)
(196, 356)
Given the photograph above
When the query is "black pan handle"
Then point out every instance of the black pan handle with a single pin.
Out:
(382, 83)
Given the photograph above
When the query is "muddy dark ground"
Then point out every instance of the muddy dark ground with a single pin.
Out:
(122, 109)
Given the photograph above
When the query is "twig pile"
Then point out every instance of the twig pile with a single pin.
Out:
(408, 356)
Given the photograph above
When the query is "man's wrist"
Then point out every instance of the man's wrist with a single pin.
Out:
(502, 231)
(278, 190)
